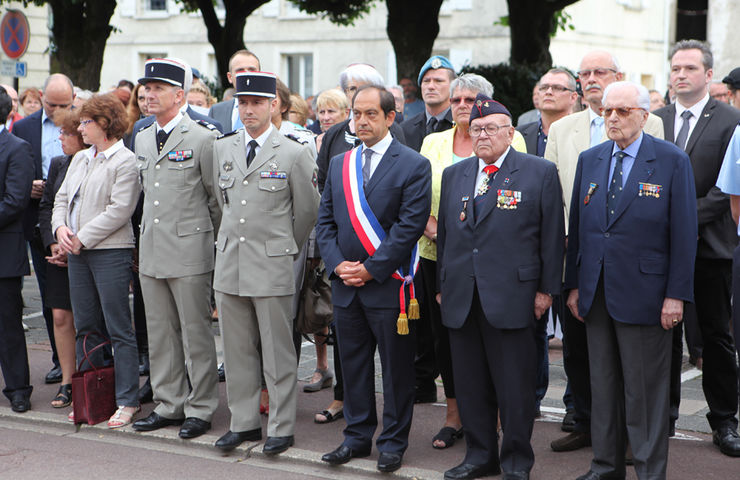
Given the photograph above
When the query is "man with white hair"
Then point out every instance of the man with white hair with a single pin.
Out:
(13, 116)
(629, 270)
(568, 137)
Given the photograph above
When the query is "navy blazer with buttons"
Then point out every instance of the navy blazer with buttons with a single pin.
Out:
(16, 178)
(647, 250)
(399, 194)
(507, 254)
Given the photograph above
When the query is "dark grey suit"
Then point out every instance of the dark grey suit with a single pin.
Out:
(713, 269)
(415, 128)
(530, 131)
(221, 112)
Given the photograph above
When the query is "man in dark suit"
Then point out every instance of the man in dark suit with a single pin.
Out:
(226, 113)
(629, 270)
(392, 192)
(40, 132)
(434, 77)
(500, 246)
(702, 127)
(16, 178)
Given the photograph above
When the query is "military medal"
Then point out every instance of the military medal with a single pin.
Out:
(649, 190)
(179, 155)
(228, 166)
(508, 199)
(591, 189)
(463, 215)
(483, 186)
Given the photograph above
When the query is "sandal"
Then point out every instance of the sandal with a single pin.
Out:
(265, 408)
(327, 377)
(122, 418)
(330, 417)
(448, 435)
(71, 416)
(63, 397)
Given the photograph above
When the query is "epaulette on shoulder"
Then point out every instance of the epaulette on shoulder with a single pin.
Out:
(296, 139)
(141, 129)
(224, 135)
(209, 126)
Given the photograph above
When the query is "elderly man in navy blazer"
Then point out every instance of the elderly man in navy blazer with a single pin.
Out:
(500, 246)
(373, 211)
(631, 250)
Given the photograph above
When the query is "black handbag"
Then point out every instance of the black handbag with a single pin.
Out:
(315, 310)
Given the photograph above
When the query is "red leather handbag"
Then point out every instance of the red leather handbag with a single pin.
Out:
(93, 390)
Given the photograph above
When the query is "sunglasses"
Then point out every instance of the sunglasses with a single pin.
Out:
(621, 111)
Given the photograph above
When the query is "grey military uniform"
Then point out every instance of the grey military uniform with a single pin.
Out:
(176, 258)
(268, 212)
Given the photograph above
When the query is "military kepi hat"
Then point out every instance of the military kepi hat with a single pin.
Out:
(437, 61)
(486, 106)
(733, 79)
(260, 84)
(164, 70)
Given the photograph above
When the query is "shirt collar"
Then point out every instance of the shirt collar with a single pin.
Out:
(631, 149)
(381, 147)
(262, 138)
(440, 116)
(499, 161)
(592, 115)
(107, 153)
(2, 127)
(44, 117)
(169, 126)
(695, 109)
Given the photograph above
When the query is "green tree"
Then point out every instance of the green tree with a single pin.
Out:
(79, 32)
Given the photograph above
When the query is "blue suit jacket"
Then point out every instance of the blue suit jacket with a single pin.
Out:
(146, 121)
(508, 254)
(647, 250)
(16, 178)
(399, 194)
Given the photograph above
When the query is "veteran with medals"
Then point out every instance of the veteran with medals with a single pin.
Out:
(629, 270)
(180, 217)
(500, 244)
(267, 189)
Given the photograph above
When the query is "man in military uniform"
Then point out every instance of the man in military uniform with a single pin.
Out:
(269, 198)
(180, 217)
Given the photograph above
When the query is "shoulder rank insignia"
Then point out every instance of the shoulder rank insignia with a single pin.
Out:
(224, 135)
(209, 126)
(296, 139)
(145, 127)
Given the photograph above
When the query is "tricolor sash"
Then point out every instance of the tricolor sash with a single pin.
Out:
(371, 233)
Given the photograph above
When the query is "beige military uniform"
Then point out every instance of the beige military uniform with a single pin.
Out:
(176, 259)
(269, 210)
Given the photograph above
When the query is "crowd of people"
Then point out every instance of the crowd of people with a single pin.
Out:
(449, 235)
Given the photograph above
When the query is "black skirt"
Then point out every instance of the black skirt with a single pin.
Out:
(57, 287)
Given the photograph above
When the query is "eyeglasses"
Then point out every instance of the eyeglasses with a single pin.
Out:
(84, 123)
(465, 100)
(621, 111)
(555, 88)
(490, 130)
(598, 72)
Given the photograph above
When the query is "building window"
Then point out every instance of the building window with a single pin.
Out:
(156, 5)
(300, 73)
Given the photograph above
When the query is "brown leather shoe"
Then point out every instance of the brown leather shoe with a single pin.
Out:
(572, 441)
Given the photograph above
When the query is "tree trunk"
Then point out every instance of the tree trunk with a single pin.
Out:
(531, 23)
(80, 31)
(412, 29)
(229, 37)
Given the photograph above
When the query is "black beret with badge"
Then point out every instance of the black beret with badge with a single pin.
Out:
(164, 70)
(486, 106)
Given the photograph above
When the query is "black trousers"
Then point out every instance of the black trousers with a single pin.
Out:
(495, 370)
(575, 361)
(13, 353)
(712, 287)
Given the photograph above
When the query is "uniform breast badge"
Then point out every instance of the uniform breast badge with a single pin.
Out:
(273, 173)
(591, 189)
(464, 215)
(508, 199)
(649, 190)
(227, 166)
(179, 155)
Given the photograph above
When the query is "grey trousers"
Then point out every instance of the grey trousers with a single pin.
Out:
(98, 288)
(630, 379)
(181, 345)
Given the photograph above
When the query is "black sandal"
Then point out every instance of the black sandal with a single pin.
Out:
(448, 435)
(64, 395)
(330, 417)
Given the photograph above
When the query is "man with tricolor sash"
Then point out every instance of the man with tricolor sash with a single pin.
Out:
(500, 244)
(373, 210)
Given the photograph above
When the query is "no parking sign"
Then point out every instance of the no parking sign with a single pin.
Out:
(14, 34)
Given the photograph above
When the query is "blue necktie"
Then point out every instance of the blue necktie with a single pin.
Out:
(597, 133)
(615, 188)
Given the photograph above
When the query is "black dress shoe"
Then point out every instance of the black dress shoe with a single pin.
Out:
(516, 476)
(728, 441)
(572, 441)
(343, 454)
(591, 475)
(20, 403)
(389, 462)
(221, 373)
(569, 421)
(194, 427)
(230, 440)
(143, 364)
(146, 394)
(469, 470)
(54, 375)
(155, 421)
(275, 445)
